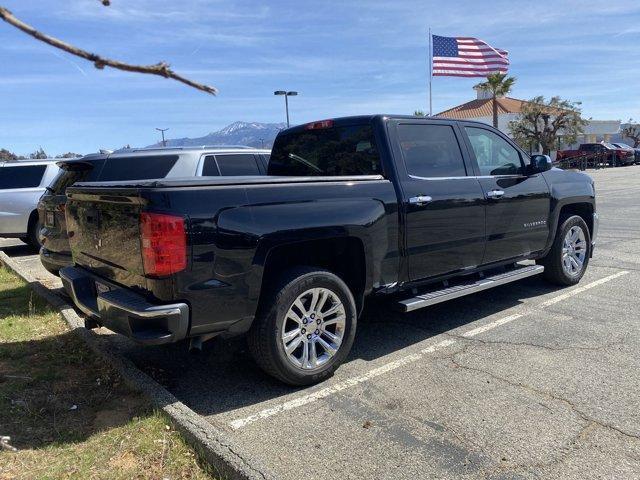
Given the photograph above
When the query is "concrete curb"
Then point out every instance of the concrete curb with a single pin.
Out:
(228, 459)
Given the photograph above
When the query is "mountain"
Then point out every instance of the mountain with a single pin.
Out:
(252, 134)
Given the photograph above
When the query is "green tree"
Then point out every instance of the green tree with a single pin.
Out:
(499, 85)
(6, 155)
(632, 131)
(543, 122)
(38, 154)
(69, 155)
(419, 113)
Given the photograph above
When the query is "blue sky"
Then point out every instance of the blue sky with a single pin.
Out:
(344, 57)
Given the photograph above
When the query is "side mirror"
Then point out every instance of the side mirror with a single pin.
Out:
(540, 163)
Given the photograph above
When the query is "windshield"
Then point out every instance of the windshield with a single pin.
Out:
(348, 150)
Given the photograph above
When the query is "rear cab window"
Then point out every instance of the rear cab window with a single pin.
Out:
(21, 176)
(333, 151)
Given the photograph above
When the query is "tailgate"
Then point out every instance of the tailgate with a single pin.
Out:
(104, 234)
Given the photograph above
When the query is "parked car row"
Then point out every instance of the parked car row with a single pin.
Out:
(633, 150)
(32, 193)
(618, 154)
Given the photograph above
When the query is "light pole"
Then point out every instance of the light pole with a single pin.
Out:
(286, 100)
(162, 130)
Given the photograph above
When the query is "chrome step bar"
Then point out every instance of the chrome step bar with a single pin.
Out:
(449, 293)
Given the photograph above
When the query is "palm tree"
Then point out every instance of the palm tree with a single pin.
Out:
(499, 85)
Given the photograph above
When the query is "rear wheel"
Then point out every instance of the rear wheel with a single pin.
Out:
(33, 232)
(305, 327)
(568, 258)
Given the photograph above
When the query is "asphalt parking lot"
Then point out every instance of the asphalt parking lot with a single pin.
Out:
(522, 381)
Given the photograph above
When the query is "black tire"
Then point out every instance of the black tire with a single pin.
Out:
(33, 231)
(264, 338)
(552, 262)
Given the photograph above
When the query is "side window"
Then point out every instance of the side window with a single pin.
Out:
(495, 156)
(265, 160)
(28, 176)
(210, 168)
(241, 164)
(137, 168)
(431, 150)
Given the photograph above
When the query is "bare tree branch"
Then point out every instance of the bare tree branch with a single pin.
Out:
(161, 69)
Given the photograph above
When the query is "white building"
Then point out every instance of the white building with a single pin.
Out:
(509, 109)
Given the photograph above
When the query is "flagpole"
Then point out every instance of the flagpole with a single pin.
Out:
(430, 72)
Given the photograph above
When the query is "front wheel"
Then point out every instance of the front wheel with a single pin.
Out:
(305, 327)
(568, 258)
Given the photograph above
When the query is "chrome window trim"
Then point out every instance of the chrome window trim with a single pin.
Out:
(416, 177)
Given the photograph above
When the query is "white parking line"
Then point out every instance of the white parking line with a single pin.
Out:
(325, 392)
(546, 303)
(414, 357)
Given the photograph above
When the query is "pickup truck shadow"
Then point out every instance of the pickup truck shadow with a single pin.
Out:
(20, 250)
(53, 391)
(224, 377)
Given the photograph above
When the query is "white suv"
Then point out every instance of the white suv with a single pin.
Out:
(22, 183)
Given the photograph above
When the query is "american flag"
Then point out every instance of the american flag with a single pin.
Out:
(467, 57)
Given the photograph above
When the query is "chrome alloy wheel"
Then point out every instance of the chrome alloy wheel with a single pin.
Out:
(313, 328)
(574, 251)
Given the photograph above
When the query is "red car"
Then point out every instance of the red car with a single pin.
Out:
(611, 154)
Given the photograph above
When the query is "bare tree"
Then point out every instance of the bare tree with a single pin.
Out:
(161, 69)
(38, 154)
(542, 122)
(632, 131)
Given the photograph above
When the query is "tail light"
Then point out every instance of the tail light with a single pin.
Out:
(164, 244)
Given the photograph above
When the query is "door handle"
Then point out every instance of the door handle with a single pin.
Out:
(420, 200)
(495, 194)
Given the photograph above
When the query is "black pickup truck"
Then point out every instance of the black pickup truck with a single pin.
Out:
(420, 210)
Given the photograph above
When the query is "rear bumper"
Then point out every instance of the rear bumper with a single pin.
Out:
(123, 311)
(54, 260)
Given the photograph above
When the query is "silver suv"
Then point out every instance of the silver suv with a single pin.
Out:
(134, 164)
(22, 183)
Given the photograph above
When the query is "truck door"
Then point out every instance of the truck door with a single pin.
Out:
(443, 203)
(518, 204)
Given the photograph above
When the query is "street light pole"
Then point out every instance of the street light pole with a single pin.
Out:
(286, 107)
(286, 100)
(162, 130)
